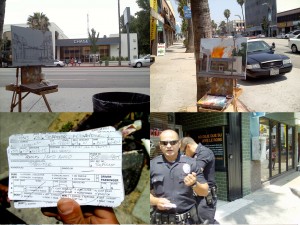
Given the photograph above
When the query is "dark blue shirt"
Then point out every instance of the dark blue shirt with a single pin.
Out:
(167, 181)
(206, 159)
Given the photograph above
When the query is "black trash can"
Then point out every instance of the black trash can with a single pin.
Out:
(121, 102)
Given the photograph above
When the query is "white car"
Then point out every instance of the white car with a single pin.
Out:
(144, 61)
(294, 33)
(294, 43)
(59, 63)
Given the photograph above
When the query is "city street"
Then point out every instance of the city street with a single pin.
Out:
(76, 87)
(279, 93)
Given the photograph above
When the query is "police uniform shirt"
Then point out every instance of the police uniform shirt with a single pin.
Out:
(167, 181)
(206, 160)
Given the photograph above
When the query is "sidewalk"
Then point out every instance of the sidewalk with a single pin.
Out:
(273, 204)
(173, 82)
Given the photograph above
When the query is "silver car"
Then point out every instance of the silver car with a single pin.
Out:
(59, 63)
(144, 61)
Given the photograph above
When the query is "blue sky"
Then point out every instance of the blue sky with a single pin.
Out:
(217, 8)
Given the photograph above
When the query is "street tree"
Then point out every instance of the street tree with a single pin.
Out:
(202, 29)
(2, 15)
(227, 15)
(241, 3)
(222, 27)
(265, 25)
(214, 27)
(93, 38)
(38, 21)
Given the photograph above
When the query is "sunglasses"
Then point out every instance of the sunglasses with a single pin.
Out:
(169, 142)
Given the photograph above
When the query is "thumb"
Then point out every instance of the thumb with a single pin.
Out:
(194, 174)
(70, 212)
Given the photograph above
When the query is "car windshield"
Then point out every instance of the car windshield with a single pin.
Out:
(257, 46)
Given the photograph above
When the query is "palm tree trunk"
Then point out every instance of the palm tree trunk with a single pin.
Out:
(2, 14)
(202, 29)
(190, 46)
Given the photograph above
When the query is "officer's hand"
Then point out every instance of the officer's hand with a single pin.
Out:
(70, 212)
(162, 202)
(190, 179)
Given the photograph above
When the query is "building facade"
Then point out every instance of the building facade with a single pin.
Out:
(163, 24)
(65, 48)
(243, 144)
(236, 26)
(288, 20)
(260, 16)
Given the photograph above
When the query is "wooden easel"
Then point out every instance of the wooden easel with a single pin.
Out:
(32, 85)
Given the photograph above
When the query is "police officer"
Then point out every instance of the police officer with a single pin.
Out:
(173, 179)
(205, 158)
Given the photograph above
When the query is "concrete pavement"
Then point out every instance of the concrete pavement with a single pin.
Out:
(173, 82)
(273, 204)
(65, 100)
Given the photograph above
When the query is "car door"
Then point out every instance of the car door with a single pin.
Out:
(147, 60)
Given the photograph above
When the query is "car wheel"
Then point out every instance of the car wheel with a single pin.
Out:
(58, 65)
(294, 49)
(138, 65)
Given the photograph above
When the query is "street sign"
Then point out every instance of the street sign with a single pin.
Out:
(187, 12)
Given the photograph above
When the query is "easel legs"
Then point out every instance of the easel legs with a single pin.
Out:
(47, 104)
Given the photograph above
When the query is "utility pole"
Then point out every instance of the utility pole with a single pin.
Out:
(119, 33)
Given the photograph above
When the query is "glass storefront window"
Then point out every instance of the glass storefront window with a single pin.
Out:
(274, 148)
(283, 149)
(290, 147)
(264, 133)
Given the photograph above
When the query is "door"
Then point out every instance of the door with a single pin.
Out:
(234, 159)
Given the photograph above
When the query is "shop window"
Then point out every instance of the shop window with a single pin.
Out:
(274, 148)
(291, 147)
(264, 134)
(283, 149)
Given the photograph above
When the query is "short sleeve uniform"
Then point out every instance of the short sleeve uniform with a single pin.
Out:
(206, 159)
(167, 181)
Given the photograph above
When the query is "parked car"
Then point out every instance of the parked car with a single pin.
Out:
(261, 60)
(143, 61)
(282, 35)
(59, 63)
(260, 36)
(294, 33)
(294, 43)
(287, 35)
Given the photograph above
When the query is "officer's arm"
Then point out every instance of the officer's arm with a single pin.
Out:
(200, 189)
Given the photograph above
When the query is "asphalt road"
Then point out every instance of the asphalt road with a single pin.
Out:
(88, 77)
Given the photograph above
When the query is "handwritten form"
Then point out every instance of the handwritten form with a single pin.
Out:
(85, 166)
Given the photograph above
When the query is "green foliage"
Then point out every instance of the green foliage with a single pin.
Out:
(93, 40)
(66, 127)
(113, 58)
(265, 25)
(38, 21)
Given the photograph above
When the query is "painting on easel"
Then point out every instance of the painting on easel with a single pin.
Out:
(223, 57)
(31, 47)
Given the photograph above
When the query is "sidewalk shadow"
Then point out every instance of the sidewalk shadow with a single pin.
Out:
(262, 81)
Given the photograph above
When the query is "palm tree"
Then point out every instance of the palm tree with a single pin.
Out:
(227, 15)
(38, 21)
(2, 14)
(202, 29)
(222, 26)
(214, 26)
(189, 43)
(241, 3)
(93, 40)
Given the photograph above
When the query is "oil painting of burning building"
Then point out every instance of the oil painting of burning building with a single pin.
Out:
(31, 47)
(223, 57)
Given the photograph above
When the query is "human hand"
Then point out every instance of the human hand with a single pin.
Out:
(162, 204)
(69, 212)
(190, 179)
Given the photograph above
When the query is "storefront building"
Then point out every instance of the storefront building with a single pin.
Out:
(288, 21)
(107, 47)
(65, 48)
(240, 142)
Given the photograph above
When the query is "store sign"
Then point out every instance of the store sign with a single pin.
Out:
(214, 139)
(155, 132)
(82, 41)
(161, 49)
